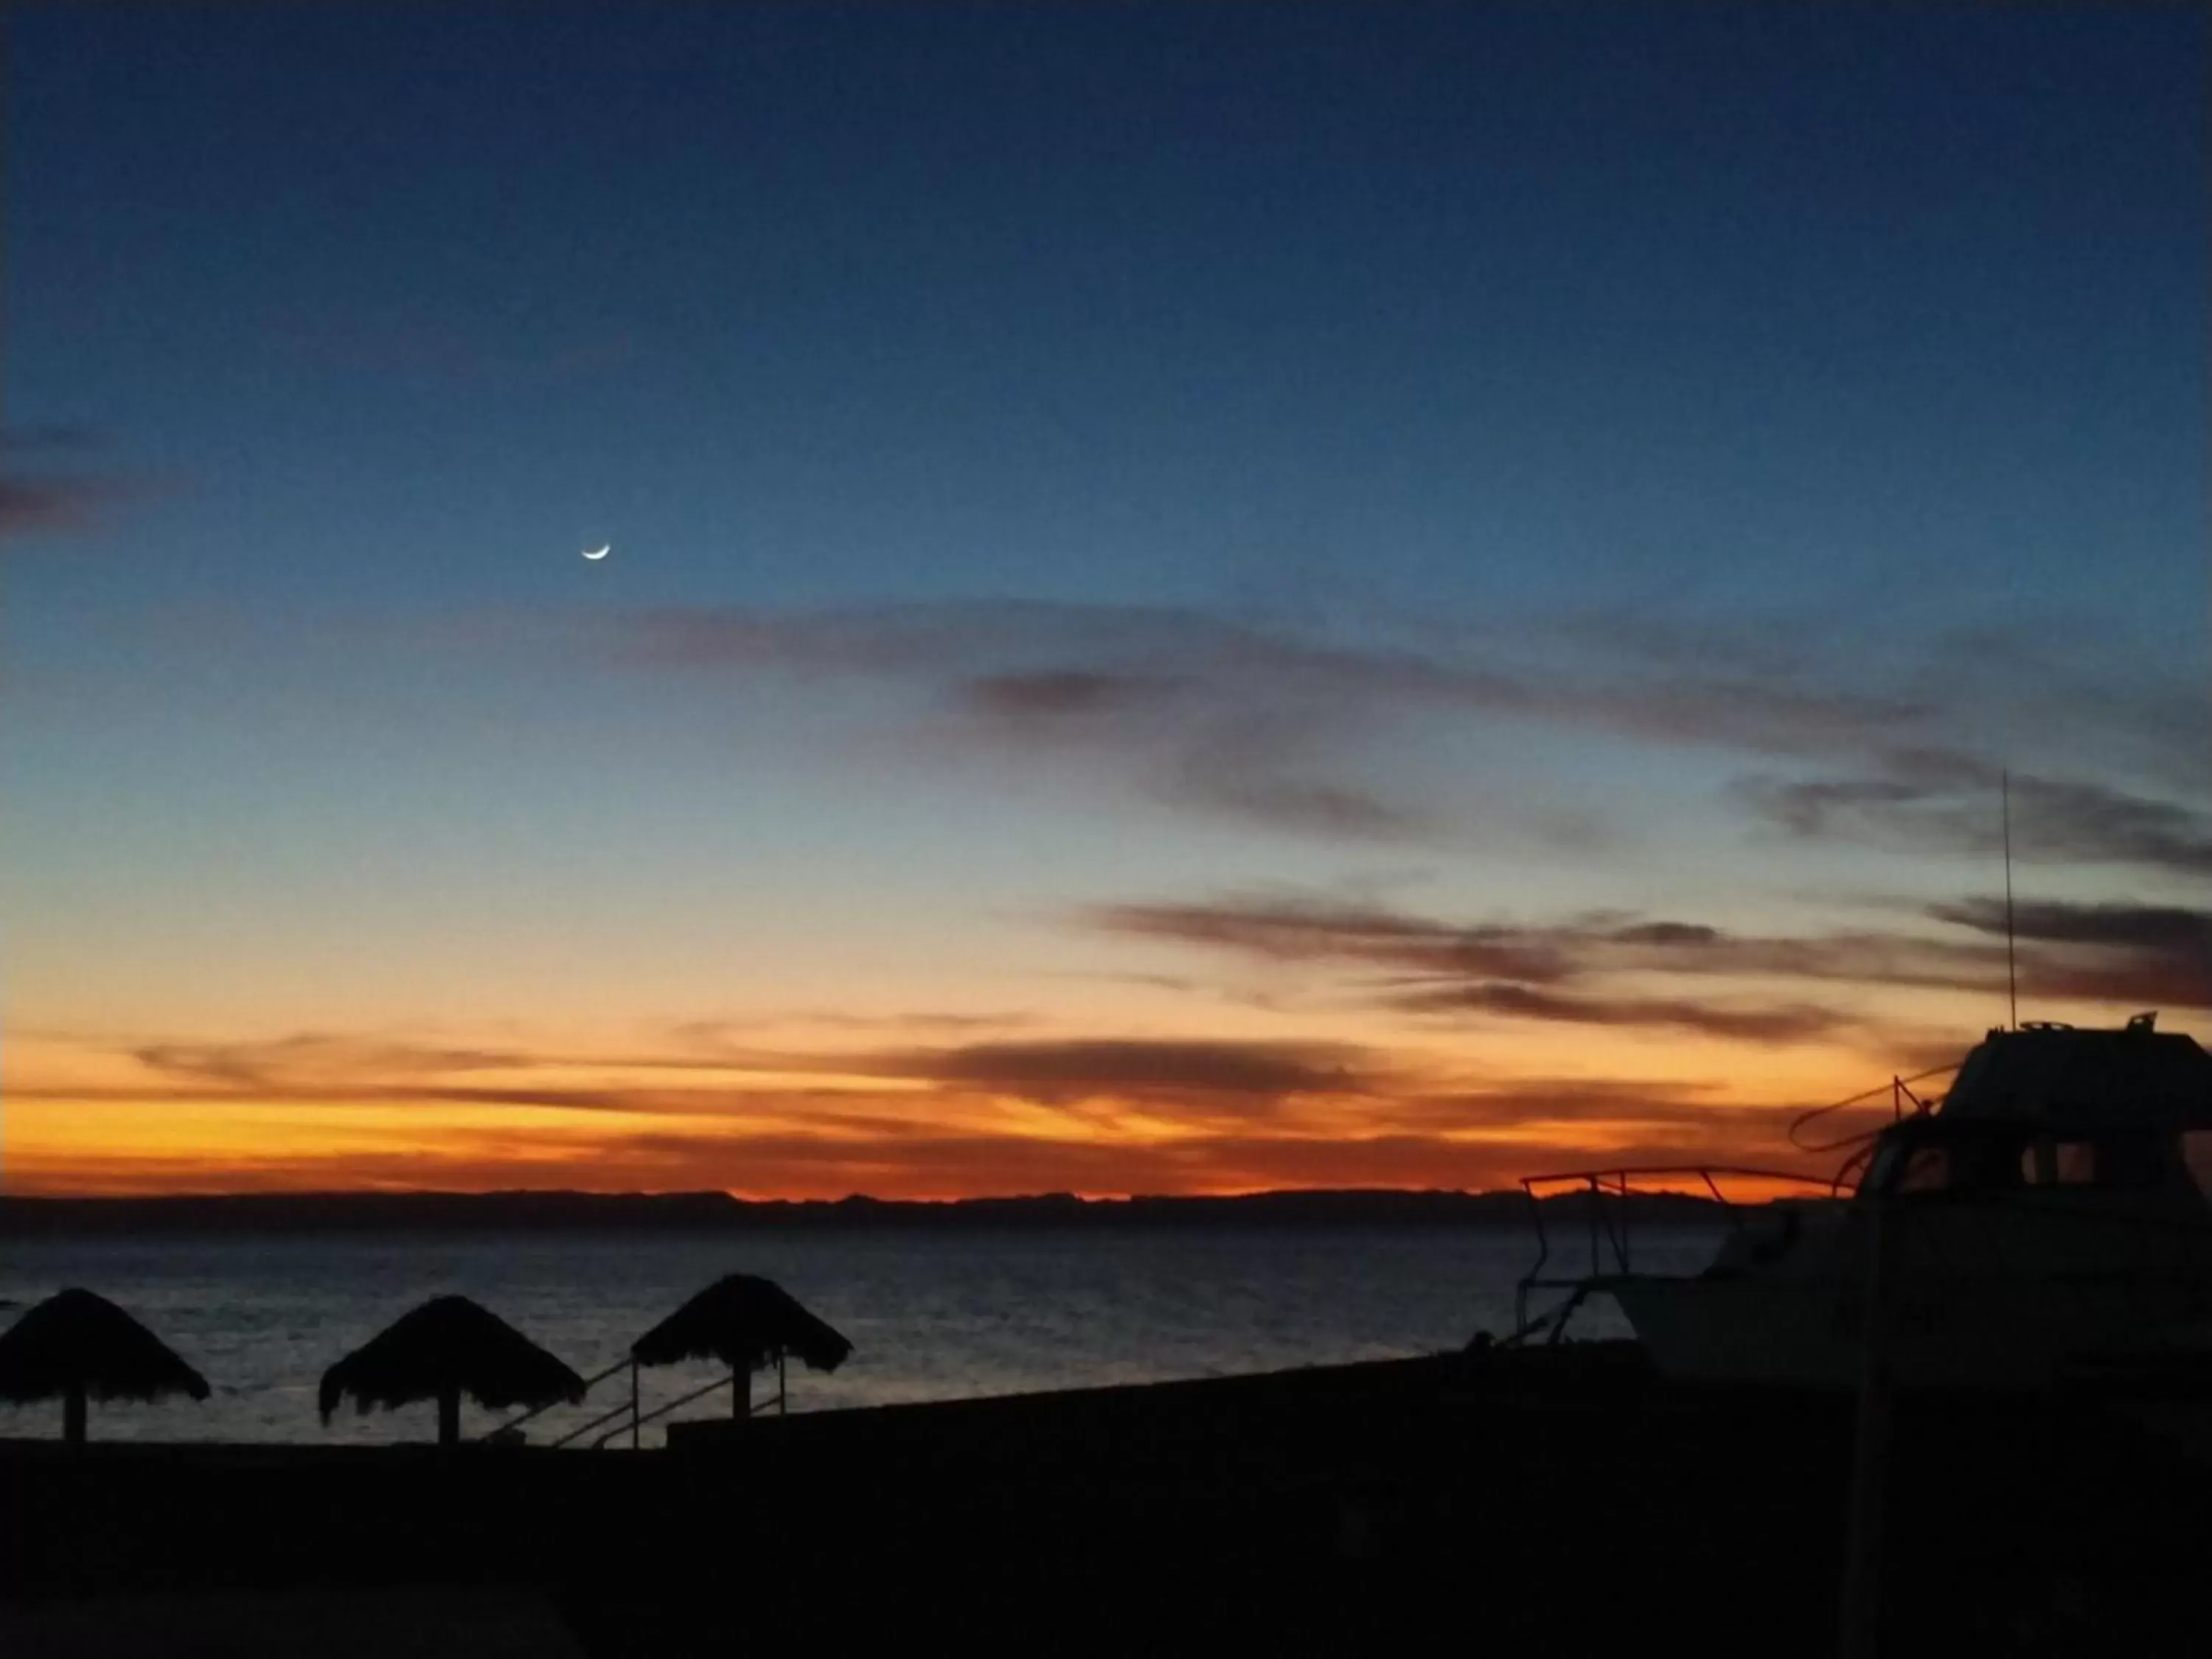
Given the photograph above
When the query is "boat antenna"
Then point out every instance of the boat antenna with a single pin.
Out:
(2012, 965)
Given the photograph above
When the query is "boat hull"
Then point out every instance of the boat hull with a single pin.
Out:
(1996, 1335)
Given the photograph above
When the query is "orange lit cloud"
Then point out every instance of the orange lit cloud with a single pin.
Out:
(1095, 1116)
(1455, 1057)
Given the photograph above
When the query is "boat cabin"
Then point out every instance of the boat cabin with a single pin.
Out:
(2051, 1107)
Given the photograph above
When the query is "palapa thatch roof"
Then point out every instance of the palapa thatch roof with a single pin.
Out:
(746, 1322)
(449, 1345)
(78, 1342)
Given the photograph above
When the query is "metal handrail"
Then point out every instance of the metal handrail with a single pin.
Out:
(643, 1418)
(627, 1418)
(627, 1409)
(590, 1382)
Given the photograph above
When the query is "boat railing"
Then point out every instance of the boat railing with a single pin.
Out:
(1954, 1237)
(1606, 1213)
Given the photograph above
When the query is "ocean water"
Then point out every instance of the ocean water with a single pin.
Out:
(932, 1315)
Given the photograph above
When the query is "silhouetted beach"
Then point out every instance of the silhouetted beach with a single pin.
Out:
(1562, 1495)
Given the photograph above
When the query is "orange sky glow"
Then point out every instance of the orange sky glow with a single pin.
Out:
(1152, 642)
(994, 1113)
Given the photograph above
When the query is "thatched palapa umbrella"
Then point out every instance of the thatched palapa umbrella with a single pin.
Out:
(80, 1346)
(446, 1348)
(746, 1322)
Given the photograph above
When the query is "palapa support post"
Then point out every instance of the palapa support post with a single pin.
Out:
(1861, 1610)
(741, 1393)
(779, 1395)
(449, 1415)
(633, 1404)
(73, 1414)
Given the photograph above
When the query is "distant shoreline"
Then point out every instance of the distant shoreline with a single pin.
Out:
(255, 1214)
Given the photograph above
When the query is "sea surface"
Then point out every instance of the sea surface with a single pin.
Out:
(933, 1314)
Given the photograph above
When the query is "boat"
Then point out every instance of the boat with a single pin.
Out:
(2043, 1220)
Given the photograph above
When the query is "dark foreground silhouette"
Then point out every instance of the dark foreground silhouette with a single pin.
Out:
(448, 1347)
(78, 1347)
(1561, 1496)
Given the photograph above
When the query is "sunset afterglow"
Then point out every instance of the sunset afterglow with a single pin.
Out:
(1194, 608)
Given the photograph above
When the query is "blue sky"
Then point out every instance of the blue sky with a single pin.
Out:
(1515, 460)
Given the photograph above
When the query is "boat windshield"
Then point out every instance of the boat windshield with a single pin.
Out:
(2128, 1158)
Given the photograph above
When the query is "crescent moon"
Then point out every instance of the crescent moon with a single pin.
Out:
(601, 554)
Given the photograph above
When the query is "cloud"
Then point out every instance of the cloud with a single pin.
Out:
(29, 506)
(1199, 711)
(2073, 823)
(1053, 697)
(1520, 972)
(310, 1069)
(963, 1119)
(1289, 928)
(1263, 1073)
(1184, 744)
(1314, 731)
(311, 1059)
(705, 1076)
(1604, 969)
(1608, 969)
(1794, 1023)
(2164, 928)
(708, 1040)
(1260, 769)
(919, 1165)
(1060, 659)
(2055, 821)
(1470, 1155)
(33, 503)
(2144, 955)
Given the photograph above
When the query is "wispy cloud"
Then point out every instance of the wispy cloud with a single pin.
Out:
(29, 505)
(2151, 955)
(1182, 708)
(45, 501)
(1791, 1023)
(2175, 930)
(1048, 700)
(718, 1077)
(310, 1058)
(1610, 969)
(1319, 735)
(1294, 928)
(1260, 1073)
(1469, 1148)
(1912, 807)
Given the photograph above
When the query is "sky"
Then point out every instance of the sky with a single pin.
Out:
(1201, 598)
